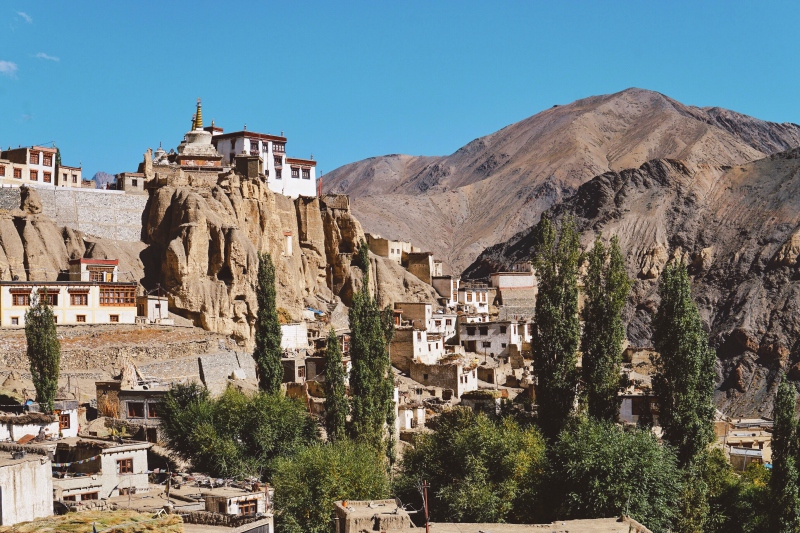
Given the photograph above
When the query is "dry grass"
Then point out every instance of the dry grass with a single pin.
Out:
(128, 522)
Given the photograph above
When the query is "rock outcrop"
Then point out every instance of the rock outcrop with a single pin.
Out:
(736, 227)
(497, 185)
(204, 243)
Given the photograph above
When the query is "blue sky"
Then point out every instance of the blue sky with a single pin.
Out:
(349, 80)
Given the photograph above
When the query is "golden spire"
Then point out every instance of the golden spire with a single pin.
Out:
(198, 121)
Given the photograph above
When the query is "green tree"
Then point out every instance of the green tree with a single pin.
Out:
(371, 381)
(267, 351)
(44, 351)
(336, 404)
(479, 469)
(683, 380)
(308, 483)
(601, 470)
(556, 334)
(235, 435)
(784, 481)
(606, 288)
(737, 503)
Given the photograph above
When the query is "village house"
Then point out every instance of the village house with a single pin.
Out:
(410, 416)
(474, 298)
(414, 344)
(37, 166)
(495, 338)
(26, 487)
(746, 441)
(136, 405)
(447, 288)
(94, 469)
(422, 265)
(27, 423)
(235, 501)
(154, 309)
(93, 295)
(637, 404)
(454, 372)
(388, 248)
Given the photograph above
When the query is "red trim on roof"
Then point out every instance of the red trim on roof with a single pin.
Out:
(251, 134)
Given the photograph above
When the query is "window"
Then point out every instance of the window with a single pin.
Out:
(487, 344)
(21, 299)
(448, 322)
(81, 298)
(419, 335)
(89, 496)
(34, 158)
(135, 409)
(50, 298)
(437, 323)
(118, 296)
(113, 318)
(222, 507)
(278, 160)
(295, 172)
(124, 466)
(64, 177)
(80, 318)
(306, 174)
(48, 160)
(69, 498)
(503, 344)
(48, 177)
(152, 410)
(484, 330)
(100, 274)
(74, 178)
(503, 329)
(2, 171)
(278, 173)
(15, 321)
(63, 421)
(301, 372)
(134, 182)
(469, 296)
(18, 173)
(55, 319)
(34, 175)
(424, 377)
(248, 507)
(278, 147)
(470, 330)
(429, 347)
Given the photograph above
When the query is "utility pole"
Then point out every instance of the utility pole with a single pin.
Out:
(425, 502)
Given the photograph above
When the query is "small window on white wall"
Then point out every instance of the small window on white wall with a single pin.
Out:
(287, 243)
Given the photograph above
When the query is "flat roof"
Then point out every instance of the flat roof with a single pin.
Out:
(245, 133)
(231, 492)
(7, 460)
(597, 525)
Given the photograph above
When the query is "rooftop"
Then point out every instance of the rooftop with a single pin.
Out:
(597, 525)
(6, 459)
(231, 492)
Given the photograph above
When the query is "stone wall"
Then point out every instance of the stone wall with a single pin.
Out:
(108, 214)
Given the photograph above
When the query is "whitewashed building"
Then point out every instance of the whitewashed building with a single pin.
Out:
(26, 487)
(37, 166)
(499, 339)
(291, 177)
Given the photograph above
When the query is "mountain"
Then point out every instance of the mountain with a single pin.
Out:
(738, 229)
(497, 185)
(101, 179)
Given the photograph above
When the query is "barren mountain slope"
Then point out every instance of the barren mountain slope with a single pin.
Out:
(499, 184)
(739, 229)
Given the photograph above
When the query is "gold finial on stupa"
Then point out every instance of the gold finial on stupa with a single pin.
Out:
(198, 121)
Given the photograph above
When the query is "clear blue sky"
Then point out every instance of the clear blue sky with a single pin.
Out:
(349, 80)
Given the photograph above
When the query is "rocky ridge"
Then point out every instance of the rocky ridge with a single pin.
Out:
(738, 229)
(497, 185)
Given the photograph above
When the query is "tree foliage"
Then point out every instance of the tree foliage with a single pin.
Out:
(308, 483)
(44, 351)
(556, 335)
(606, 288)
(683, 380)
(336, 402)
(235, 435)
(601, 470)
(371, 380)
(479, 470)
(784, 482)
(267, 351)
(737, 503)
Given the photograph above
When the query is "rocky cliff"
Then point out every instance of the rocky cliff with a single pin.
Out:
(738, 228)
(203, 244)
(497, 185)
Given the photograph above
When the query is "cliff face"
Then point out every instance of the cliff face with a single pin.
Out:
(497, 185)
(737, 227)
(204, 243)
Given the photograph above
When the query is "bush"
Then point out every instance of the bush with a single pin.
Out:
(308, 483)
(479, 470)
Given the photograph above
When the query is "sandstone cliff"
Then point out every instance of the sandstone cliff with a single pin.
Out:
(203, 244)
(739, 230)
(497, 185)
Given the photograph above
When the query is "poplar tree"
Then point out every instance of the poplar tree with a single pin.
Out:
(606, 288)
(371, 382)
(683, 380)
(44, 351)
(336, 404)
(785, 517)
(556, 336)
(268, 350)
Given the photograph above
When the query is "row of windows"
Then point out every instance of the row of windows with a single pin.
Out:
(84, 496)
(37, 158)
(47, 177)
(107, 297)
(479, 297)
(137, 410)
(78, 318)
